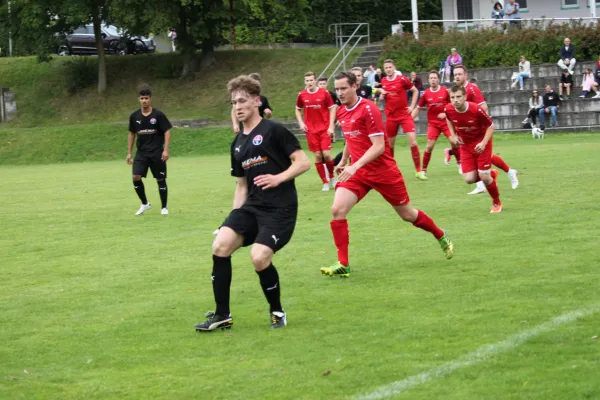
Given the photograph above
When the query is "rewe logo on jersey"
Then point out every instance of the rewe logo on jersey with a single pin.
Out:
(258, 139)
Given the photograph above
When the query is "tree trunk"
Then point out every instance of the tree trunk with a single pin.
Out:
(97, 19)
(208, 53)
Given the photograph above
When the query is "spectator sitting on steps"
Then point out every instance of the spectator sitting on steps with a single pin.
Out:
(566, 82)
(589, 84)
(567, 56)
(524, 72)
(452, 60)
(551, 105)
(535, 103)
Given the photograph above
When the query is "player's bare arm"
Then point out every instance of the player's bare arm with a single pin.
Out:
(480, 147)
(130, 140)
(414, 99)
(415, 112)
(300, 164)
(331, 129)
(165, 153)
(377, 148)
(234, 121)
(485, 108)
(343, 161)
(300, 120)
(241, 192)
(441, 116)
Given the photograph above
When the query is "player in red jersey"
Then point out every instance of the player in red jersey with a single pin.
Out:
(319, 117)
(472, 128)
(373, 167)
(394, 89)
(473, 94)
(435, 99)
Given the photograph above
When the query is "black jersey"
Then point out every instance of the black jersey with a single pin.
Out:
(265, 150)
(335, 98)
(364, 91)
(150, 129)
(264, 104)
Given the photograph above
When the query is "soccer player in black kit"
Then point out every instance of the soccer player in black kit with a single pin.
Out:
(265, 159)
(153, 131)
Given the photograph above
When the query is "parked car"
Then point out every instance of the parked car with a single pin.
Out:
(83, 42)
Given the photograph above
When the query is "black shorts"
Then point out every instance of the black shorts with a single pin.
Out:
(143, 161)
(270, 227)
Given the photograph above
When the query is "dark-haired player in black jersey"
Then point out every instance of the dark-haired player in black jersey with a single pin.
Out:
(265, 159)
(153, 131)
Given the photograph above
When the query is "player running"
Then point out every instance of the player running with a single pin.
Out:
(474, 95)
(318, 123)
(435, 99)
(472, 128)
(394, 89)
(373, 167)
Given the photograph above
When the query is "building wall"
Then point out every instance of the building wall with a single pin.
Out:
(535, 9)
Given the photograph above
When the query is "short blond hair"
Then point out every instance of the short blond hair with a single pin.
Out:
(356, 69)
(310, 73)
(244, 83)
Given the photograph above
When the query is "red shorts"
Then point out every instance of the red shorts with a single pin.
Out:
(405, 120)
(318, 141)
(470, 160)
(390, 184)
(434, 129)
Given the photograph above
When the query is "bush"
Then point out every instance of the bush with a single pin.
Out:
(488, 47)
(80, 73)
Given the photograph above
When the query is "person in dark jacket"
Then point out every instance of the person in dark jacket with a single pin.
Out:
(567, 56)
(551, 105)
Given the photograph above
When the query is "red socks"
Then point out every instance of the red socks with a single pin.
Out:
(330, 166)
(425, 222)
(416, 156)
(341, 238)
(493, 188)
(456, 153)
(321, 171)
(426, 159)
(499, 162)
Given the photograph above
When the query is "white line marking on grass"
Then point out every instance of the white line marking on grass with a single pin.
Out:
(481, 354)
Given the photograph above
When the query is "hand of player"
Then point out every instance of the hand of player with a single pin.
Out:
(165, 155)
(331, 131)
(347, 172)
(236, 128)
(455, 140)
(337, 123)
(128, 159)
(441, 116)
(480, 147)
(410, 109)
(268, 112)
(303, 127)
(267, 181)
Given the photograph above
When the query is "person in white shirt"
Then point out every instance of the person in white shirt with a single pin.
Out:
(524, 72)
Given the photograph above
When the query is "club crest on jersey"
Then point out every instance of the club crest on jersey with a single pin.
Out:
(153, 121)
(257, 140)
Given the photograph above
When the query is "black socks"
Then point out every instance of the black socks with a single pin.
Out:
(221, 280)
(140, 190)
(269, 280)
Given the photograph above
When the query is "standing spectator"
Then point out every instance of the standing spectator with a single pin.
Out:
(416, 80)
(589, 84)
(173, 36)
(524, 72)
(535, 104)
(452, 60)
(378, 76)
(513, 13)
(567, 56)
(370, 74)
(551, 104)
(566, 82)
(498, 15)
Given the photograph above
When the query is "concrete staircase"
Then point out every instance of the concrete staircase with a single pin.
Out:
(369, 56)
(509, 106)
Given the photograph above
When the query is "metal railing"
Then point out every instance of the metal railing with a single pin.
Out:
(474, 23)
(343, 42)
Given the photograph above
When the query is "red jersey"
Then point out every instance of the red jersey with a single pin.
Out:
(470, 124)
(435, 103)
(316, 107)
(474, 94)
(359, 123)
(396, 98)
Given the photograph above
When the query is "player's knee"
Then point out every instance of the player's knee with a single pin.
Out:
(339, 211)
(318, 158)
(137, 178)
(261, 257)
(222, 248)
(469, 179)
(160, 181)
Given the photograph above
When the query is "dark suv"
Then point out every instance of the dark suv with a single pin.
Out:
(82, 41)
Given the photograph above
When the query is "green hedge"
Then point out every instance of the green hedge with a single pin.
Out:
(488, 48)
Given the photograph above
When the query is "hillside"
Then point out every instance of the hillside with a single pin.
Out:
(51, 93)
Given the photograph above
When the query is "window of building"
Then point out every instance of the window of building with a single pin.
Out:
(464, 9)
(570, 3)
